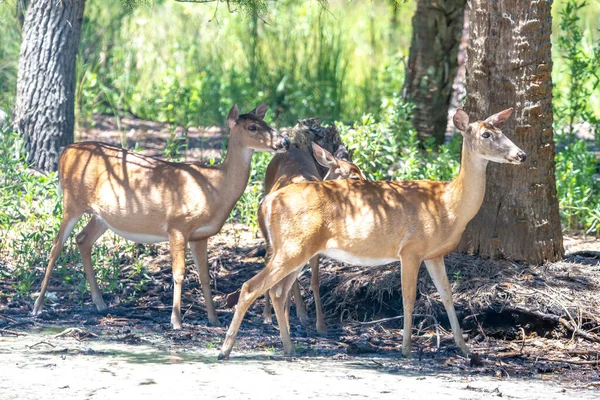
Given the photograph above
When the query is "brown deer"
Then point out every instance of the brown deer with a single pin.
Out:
(378, 222)
(297, 166)
(148, 200)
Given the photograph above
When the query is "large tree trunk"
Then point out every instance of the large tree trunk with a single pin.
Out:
(44, 112)
(432, 64)
(509, 65)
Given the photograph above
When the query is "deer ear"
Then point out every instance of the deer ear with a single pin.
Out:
(260, 111)
(498, 119)
(322, 156)
(232, 118)
(461, 120)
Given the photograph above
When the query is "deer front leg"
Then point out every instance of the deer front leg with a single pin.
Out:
(253, 288)
(66, 226)
(177, 242)
(437, 271)
(409, 273)
(85, 240)
(200, 256)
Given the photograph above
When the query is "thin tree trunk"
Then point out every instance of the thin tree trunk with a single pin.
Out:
(509, 64)
(432, 64)
(44, 112)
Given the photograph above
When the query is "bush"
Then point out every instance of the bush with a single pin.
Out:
(389, 148)
(577, 80)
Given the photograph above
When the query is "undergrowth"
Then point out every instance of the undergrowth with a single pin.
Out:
(577, 121)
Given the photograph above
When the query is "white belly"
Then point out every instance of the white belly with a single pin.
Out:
(353, 259)
(139, 237)
(206, 230)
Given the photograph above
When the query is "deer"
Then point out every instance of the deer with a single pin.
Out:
(149, 200)
(299, 166)
(369, 223)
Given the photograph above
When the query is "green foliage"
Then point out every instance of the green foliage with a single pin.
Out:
(186, 64)
(579, 68)
(29, 209)
(176, 146)
(10, 40)
(578, 186)
(577, 80)
(389, 148)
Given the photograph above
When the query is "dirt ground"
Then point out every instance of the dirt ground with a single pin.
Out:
(42, 365)
(533, 330)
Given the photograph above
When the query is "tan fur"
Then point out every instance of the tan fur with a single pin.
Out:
(298, 166)
(375, 222)
(150, 200)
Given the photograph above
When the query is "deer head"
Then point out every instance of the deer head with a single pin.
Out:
(486, 140)
(253, 131)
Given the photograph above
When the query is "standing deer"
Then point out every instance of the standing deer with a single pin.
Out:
(148, 200)
(378, 222)
(297, 166)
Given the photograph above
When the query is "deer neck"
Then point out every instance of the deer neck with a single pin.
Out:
(234, 171)
(466, 191)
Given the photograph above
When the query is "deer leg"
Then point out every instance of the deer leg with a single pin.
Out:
(409, 273)
(437, 271)
(267, 311)
(314, 285)
(300, 307)
(177, 244)
(280, 297)
(66, 226)
(200, 256)
(85, 240)
(253, 288)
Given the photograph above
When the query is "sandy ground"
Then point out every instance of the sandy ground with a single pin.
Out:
(40, 365)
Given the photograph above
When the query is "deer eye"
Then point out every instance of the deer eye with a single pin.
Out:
(486, 134)
(252, 128)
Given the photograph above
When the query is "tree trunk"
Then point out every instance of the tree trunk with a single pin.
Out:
(44, 112)
(432, 64)
(509, 64)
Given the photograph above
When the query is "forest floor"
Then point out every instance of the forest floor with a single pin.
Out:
(533, 330)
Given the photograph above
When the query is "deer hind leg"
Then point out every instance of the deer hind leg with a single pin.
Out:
(409, 273)
(200, 256)
(253, 288)
(85, 240)
(300, 307)
(177, 243)
(267, 311)
(66, 226)
(437, 271)
(314, 285)
(280, 297)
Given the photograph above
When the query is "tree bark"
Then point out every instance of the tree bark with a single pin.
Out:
(509, 64)
(432, 64)
(44, 111)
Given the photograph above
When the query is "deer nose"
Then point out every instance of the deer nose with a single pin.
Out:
(522, 156)
(282, 144)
